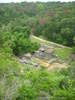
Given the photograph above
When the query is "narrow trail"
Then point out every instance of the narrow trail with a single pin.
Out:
(48, 43)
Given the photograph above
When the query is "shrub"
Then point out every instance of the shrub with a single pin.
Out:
(27, 93)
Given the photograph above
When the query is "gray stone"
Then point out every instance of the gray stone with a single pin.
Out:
(24, 61)
(36, 65)
(42, 49)
(28, 55)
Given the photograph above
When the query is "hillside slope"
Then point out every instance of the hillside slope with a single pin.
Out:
(27, 77)
(50, 55)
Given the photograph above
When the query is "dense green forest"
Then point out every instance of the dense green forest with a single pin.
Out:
(52, 21)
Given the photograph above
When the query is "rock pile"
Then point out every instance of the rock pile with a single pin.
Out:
(45, 53)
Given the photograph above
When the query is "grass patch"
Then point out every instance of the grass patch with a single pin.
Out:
(63, 53)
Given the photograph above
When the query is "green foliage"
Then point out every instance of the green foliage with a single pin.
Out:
(53, 21)
(7, 62)
(18, 40)
(24, 45)
(9, 72)
(34, 83)
(27, 93)
(54, 85)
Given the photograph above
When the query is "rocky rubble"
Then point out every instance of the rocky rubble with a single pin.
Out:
(45, 53)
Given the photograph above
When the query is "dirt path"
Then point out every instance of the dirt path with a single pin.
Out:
(48, 43)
